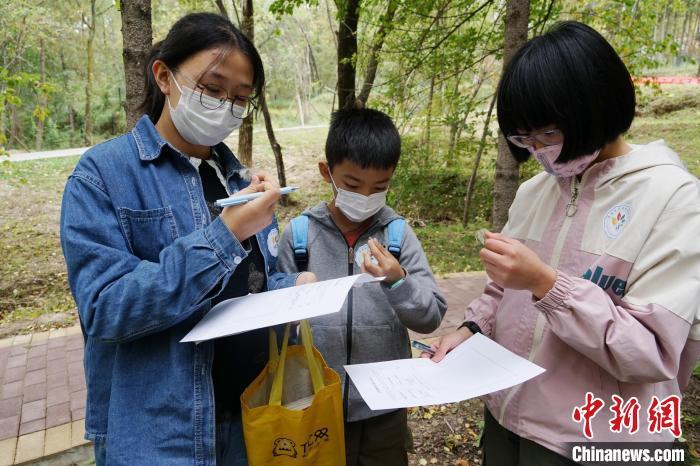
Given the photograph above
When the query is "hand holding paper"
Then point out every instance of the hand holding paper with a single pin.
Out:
(476, 367)
(262, 310)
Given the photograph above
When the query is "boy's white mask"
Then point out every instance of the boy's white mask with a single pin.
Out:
(355, 206)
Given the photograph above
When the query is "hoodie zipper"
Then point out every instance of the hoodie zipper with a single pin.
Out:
(569, 211)
(348, 330)
(348, 321)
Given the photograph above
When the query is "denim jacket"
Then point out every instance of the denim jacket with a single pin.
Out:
(144, 261)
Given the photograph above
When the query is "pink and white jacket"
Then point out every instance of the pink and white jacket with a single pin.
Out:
(623, 317)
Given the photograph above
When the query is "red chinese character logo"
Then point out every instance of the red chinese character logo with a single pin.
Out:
(665, 414)
(587, 412)
(626, 415)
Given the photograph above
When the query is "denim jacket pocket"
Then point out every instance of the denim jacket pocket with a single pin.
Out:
(147, 232)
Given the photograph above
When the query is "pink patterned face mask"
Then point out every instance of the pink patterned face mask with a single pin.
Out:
(547, 155)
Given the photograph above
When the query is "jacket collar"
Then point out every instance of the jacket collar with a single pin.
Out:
(149, 142)
(151, 145)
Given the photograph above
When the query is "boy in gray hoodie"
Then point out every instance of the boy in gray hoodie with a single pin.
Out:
(354, 233)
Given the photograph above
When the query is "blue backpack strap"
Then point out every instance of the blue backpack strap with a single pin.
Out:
(300, 240)
(394, 236)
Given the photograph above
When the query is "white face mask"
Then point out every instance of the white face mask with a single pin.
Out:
(199, 125)
(355, 206)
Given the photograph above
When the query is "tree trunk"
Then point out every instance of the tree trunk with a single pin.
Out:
(693, 34)
(507, 169)
(477, 161)
(666, 19)
(472, 98)
(373, 62)
(303, 82)
(429, 117)
(43, 101)
(452, 144)
(674, 25)
(300, 110)
(137, 38)
(347, 52)
(222, 8)
(16, 129)
(245, 133)
(276, 149)
(4, 140)
(88, 80)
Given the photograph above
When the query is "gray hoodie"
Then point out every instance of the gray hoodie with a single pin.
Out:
(378, 316)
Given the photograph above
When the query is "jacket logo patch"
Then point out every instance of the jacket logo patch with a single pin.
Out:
(616, 285)
(273, 239)
(616, 219)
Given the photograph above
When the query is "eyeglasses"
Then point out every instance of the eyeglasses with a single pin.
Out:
(213, 97)
(548, 137)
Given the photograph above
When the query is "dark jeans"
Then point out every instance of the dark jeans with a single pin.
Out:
(504, 448)
(100, 452)
(378, 441)
(230, 446)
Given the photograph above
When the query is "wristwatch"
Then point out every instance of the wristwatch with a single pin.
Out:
(471, 326)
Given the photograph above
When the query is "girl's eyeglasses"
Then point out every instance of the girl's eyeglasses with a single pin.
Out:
(548, 137)
(213, 97)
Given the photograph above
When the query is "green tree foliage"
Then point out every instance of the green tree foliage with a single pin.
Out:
(431, 64)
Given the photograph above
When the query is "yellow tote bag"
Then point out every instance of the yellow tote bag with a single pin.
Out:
(293, 411)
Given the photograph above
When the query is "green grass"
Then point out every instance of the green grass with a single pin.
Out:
(686, 69)
(34, 277)
(41, 174)
(451, 247)
(680, 130)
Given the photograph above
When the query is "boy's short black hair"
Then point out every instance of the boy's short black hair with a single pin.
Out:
(570, 77)
(363, 136)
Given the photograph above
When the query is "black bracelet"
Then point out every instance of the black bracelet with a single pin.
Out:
(471, 326)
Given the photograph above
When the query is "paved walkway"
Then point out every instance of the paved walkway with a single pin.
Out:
(50, 154)
(42, 384)
(42, 395)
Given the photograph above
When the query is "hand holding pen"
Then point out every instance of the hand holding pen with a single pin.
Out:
(254, 215)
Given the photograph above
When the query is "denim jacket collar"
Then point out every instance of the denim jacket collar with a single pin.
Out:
(151, 144)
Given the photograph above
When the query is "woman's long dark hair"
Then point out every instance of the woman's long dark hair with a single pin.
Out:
(192, 34)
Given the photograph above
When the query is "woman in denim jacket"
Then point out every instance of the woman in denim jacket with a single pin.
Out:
(149, 253)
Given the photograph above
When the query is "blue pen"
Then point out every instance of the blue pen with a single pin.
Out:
(238, 200)
(422, 346)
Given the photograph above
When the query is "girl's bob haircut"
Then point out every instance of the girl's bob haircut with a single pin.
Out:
(570, 78)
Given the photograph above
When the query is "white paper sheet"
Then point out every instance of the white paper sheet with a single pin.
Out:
(261, 310)
(476, 367)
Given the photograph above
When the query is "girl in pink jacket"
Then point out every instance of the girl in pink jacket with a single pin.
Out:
(596, 275)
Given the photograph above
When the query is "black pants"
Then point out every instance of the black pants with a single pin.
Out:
(504, 448)
(378, 441)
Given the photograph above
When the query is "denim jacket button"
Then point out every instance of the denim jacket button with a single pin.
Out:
(194, 181)
(237, 260)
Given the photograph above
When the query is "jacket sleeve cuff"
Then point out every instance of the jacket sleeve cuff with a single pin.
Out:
(402, 291)
(483, 322)
(280, 280)
(226, 246)
(555, 298)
